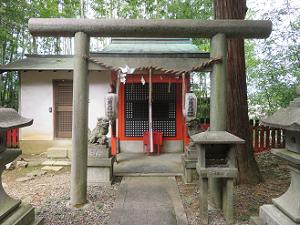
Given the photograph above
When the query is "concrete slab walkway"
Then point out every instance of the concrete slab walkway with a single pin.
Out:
(148, 201)
(139, 164)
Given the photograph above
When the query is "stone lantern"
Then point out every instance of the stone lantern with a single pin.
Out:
(286, 208)
(216, 160)
(12, 211)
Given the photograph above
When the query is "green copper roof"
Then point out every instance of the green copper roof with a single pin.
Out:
(151, 45)
(172, 55)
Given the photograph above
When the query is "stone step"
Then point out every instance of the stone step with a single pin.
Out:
(270, 214)
(57, 163)
(128, 174)
(38, 221)
(24, 215)
(255, 221)
(58, 152)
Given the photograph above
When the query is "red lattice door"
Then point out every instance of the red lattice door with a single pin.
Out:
(63, 101)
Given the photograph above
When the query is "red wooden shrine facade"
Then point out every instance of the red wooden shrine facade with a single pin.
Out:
(167, 98)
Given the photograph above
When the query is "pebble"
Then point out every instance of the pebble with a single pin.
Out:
(21, 164)
(23, 179)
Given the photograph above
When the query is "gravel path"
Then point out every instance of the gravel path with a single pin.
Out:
(248, 198)
(49, 194)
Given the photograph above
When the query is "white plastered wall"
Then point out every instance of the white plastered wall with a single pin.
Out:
(36, 97)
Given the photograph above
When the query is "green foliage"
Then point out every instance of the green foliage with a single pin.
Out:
(200, 86)
(156, 9)
(274, 65)
(15, 40)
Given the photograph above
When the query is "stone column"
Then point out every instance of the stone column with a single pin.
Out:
(80, 121)
(218, 102)
(218, 84)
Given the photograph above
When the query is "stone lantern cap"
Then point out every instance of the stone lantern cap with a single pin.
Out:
(9, 118)
(216, 137)
(287, 118)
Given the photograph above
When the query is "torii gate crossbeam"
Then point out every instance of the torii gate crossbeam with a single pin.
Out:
(67, 27)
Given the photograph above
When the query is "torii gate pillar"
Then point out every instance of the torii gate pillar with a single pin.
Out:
(80, 120)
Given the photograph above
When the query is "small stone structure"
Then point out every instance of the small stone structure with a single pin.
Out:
(216, 159)
(13, 211)
(285, 209)
(100, 161)
(189, 159)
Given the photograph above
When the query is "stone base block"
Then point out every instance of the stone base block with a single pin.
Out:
(99, 175)
(57, 152)
(271, 215)
(100, 171)
(190, 174)
(23, 215)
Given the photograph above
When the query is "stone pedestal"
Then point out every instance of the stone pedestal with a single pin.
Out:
(189, 161)
(100, 165)
(12, 211)
(285, 209)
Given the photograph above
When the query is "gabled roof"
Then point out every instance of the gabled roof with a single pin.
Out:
(286, 118)
(175, 55)
(151, 45)
(9, 118)
(45, 62)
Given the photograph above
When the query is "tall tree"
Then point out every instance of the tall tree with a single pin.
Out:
(237, 106)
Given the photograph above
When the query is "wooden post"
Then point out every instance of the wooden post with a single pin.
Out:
(183, 96)
(262, 138)
(150, 112)
(80, 121)
(267, 138)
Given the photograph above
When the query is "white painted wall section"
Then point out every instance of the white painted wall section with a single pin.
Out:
(36, 97)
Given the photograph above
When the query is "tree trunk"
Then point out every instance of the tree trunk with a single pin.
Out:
(237, 105)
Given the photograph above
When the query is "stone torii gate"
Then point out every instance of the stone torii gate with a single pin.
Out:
(83, 29)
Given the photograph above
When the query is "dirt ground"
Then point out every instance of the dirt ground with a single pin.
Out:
(49, 194)
(248, 198)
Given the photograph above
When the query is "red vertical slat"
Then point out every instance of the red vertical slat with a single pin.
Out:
(267, 147)
(272, 137)
(8, 139)
(14, 138)
(256, 138)
(261, 138)
(251, 133)
(18, 137)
